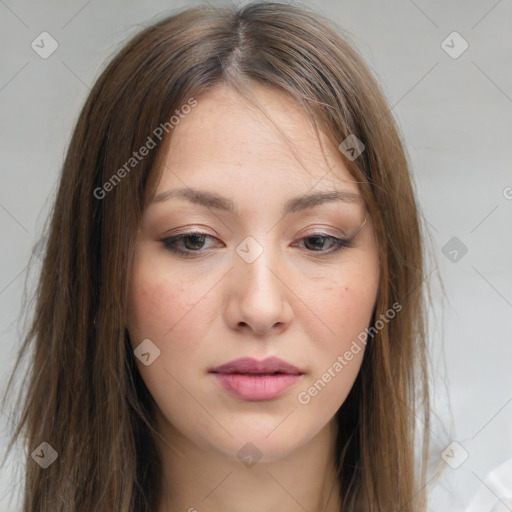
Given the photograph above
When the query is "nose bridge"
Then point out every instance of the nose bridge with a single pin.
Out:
(255, 266)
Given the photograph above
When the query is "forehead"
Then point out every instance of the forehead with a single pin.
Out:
(225, 142)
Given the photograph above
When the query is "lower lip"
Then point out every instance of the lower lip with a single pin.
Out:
(264, 387)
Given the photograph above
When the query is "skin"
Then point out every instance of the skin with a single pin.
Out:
(214, 307)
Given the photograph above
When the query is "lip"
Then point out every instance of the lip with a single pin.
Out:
(253, 380)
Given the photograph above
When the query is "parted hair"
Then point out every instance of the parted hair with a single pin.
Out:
(82, 393)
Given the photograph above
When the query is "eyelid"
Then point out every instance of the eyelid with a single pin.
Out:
(196, 229)
(322, 230)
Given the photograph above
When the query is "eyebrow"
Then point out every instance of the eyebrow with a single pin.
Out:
(218, 202)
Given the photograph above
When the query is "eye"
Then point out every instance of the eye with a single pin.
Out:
(316, 242)
(189, 245)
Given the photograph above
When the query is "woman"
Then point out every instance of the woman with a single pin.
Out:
(230, 313)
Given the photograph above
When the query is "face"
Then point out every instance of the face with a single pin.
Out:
(241, 264)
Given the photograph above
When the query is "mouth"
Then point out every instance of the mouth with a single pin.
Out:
(252, 380)
(250, 366)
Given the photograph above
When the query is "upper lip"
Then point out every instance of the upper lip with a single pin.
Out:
(250, 365)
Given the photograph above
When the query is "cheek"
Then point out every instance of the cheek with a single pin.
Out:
(160, 303)
(174, 313)
(346, 310)
(343, 308)
(343, 305)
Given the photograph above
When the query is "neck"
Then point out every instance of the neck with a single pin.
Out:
(197, 479)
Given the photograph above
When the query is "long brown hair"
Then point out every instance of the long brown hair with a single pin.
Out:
(83, 394)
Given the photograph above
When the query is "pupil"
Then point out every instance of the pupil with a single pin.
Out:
(199, 241)
(317, 239)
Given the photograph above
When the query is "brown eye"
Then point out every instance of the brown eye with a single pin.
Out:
(187, 244)
(317, 242)
(196, 241)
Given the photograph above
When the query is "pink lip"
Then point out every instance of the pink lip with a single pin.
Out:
(249, 379)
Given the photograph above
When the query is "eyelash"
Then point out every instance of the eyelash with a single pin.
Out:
(170, 243)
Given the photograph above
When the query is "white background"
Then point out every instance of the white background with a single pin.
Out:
(456, 118)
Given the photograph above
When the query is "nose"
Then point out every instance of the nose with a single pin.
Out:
(259, 296)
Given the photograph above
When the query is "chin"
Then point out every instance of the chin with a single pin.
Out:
(263, 443)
